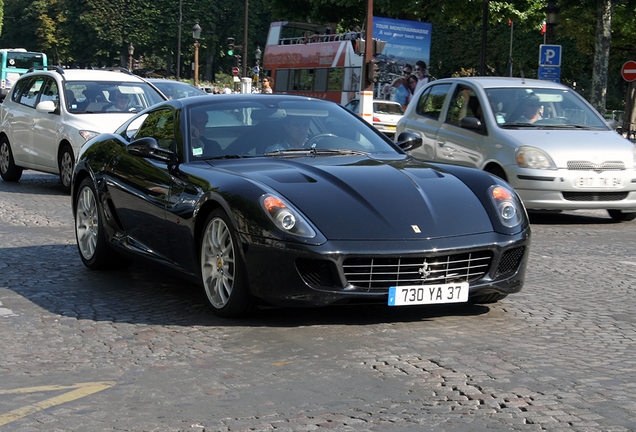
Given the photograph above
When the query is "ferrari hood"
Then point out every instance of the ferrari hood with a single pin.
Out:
(359, 197)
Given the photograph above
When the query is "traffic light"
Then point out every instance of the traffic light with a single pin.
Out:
(358, 46)
(371, 72)
(237, 60)
(378, 46)
(230, 46)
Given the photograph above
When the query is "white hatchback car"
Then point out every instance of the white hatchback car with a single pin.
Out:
(543, 138)
(386, 114)
(51, 112)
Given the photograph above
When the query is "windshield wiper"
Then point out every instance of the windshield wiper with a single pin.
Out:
(516, 125)
(313, 151)
(234, 156)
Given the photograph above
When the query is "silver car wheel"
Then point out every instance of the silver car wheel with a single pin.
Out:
(87, 222)
(4, 157)
(66, 167)
(218, 266)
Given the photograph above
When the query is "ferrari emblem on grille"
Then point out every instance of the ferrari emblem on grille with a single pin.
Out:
(416, 229)
(424, 271)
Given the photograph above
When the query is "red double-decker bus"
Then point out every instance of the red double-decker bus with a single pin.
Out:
(307, 59)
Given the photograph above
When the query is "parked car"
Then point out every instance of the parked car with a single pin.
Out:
(386, 114)
(51, 112)
(172, 89)
(345, 216)
(543, 138)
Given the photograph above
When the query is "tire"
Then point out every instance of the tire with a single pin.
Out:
(487, 298)
(619, 215)
(94, 250)
(222, 268)
(8, 169)
(497, 171)
(66, 163)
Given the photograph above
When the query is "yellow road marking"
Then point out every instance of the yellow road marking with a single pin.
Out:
(81, 390)
(282, 363)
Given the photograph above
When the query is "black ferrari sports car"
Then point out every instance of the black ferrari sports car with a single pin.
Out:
(288, 200)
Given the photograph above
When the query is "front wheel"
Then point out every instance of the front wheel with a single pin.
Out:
(222, 268)
(619, 215)
(89, 230)
(66, 163)
(8, 169)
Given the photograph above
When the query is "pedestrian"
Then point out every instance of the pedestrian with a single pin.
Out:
(227, 90)
(267, 85)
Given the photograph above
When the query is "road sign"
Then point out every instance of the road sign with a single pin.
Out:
(550, 55)
(255, 70)
(629, 71)
(548, 73)
(235, 71)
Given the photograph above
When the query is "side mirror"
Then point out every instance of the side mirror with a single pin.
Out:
(46, 107)
(408, 141)
(149, 148)
(471, 123)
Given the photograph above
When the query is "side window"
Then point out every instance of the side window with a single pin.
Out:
(50, 92)
(160, 126)
(29, 96)
(464, 104)
(432, 100)
(20, 87)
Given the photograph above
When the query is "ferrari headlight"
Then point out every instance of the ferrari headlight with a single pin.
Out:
(531, 157)
(285, 217)
(507, 205)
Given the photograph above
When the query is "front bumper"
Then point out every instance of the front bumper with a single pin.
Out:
(567, 189)
(293, 274)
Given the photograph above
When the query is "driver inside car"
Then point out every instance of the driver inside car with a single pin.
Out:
(296, 129)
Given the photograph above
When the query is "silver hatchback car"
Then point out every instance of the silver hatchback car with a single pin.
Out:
(543, 138)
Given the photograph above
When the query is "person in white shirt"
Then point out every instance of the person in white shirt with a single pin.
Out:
(422, 76)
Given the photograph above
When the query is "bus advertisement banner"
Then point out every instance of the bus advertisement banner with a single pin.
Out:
(407, 42)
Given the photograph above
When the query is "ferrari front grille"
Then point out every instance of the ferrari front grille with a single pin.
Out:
(378, 274)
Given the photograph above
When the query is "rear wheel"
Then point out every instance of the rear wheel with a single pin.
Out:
(89, 230)
(222, 268)
(620, 215)
(66, 163)
(8, 169)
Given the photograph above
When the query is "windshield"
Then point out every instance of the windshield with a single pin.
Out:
(278, 127)
(536, 107)
(24, 60)
(176, 90)
(89, 97)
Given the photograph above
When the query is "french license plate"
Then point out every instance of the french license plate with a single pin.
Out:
(428, 294)
(608, 182)
(391, 127)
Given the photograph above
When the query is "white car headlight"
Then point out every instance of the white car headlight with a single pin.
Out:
(285, 217)
(507, 206)
(88, 134)
(531, 157)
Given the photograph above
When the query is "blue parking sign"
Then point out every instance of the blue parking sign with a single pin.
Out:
(550, 55)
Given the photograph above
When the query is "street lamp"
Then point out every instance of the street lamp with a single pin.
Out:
(551, 14)
(196, 34)
(131, 51)
(257, 55)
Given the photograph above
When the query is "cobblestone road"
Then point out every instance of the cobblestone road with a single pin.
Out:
(137, 350)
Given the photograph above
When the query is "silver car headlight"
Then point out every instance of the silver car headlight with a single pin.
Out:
(86, 134)
(507, 206)
(532, 157)
(285, 217)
